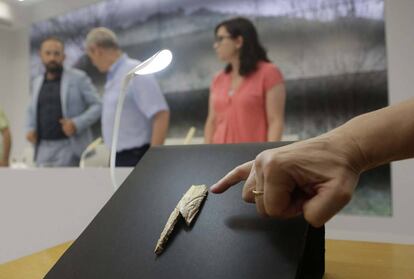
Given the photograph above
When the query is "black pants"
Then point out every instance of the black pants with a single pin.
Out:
(130, 157)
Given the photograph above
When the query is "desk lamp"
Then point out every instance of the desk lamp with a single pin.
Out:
(155, 63)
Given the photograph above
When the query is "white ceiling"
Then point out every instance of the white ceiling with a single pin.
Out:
(29, 11)
(26, 3)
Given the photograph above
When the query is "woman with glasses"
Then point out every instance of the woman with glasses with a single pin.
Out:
(247, 98)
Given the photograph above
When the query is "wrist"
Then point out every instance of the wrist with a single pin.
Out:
(346, 146)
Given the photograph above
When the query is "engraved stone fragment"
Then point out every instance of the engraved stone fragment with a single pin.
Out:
(188, 207)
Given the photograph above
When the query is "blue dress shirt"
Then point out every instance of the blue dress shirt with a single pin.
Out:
(143, 100)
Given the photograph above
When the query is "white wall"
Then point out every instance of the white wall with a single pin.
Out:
(14, 69)
(14, 81)
(399, 16)
(14, 75)
(45, 207)
(400, 43)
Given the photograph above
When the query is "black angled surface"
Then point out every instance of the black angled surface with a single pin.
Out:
(228, 239)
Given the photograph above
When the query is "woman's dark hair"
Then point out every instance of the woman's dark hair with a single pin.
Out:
(251, 51)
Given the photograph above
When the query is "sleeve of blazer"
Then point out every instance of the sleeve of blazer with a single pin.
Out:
(30, 117)
(93, 102)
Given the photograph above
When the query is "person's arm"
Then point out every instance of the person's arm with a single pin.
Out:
(209, 126)
(383, 135)
(149, 99)
(317, 176)
(69, 127)
(275, 112)
(92, 112)
(6, 147)
(160, 124)
(31, 136)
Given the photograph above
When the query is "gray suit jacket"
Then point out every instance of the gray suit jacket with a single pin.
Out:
(80, 102)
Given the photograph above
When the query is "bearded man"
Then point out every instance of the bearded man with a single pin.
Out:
(63, 107)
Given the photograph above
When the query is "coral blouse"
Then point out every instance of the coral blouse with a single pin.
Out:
(240, 116)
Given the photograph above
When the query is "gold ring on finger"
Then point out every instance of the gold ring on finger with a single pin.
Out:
(257, 193)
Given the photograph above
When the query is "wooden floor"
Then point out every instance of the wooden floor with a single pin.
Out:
(34, 266)
(363, 260)
(344, 260)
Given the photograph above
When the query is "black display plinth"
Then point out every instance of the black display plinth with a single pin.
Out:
(227, 240)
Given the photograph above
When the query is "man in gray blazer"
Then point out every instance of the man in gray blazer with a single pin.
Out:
(64, 105)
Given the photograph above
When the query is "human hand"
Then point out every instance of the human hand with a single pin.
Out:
(31, 136)
(315, 177)
(68, 126)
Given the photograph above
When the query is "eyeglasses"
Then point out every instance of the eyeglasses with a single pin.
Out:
(219, 39)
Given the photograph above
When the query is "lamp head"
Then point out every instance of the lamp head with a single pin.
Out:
(159, 61)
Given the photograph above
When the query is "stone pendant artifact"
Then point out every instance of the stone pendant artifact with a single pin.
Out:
(188, 207)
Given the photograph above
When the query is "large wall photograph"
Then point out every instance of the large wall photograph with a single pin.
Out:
(332, 54)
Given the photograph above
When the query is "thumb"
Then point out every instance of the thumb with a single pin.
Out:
(325, 204)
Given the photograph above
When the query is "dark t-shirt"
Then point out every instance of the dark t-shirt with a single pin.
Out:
(49, 111)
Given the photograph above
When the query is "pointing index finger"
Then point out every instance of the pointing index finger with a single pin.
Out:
(236, 175)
